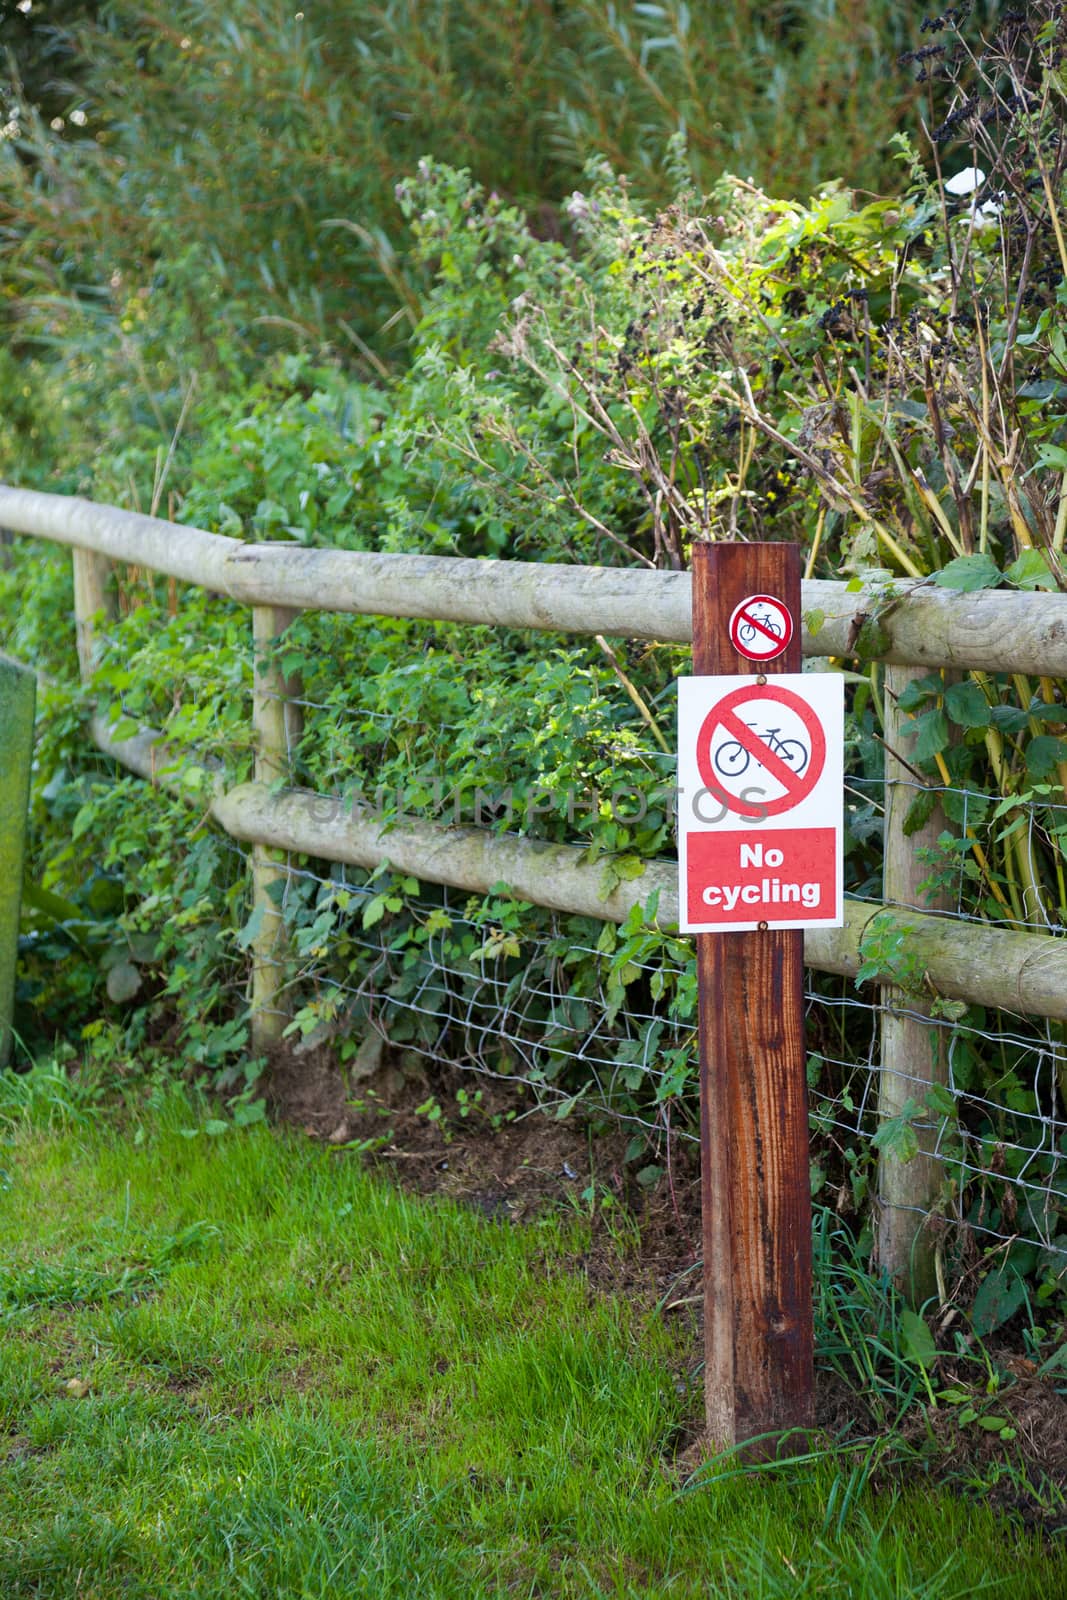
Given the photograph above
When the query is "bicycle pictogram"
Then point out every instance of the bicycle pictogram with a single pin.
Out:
(732, 759)
(748, 630)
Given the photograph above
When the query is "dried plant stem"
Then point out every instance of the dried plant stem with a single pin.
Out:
(642, 706)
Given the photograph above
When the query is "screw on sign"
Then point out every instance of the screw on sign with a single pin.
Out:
(761, 627)
(767, 731)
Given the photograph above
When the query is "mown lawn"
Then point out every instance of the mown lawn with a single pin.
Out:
(243, 1366)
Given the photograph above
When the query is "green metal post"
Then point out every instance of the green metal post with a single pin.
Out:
(17, 694)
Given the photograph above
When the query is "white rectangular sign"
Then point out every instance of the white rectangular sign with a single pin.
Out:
(760, 802)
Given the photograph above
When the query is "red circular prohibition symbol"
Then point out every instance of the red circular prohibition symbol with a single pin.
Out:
(761, 627)
(797, 785)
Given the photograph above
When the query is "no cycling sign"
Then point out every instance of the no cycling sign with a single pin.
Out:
(760, 775)
(761, 627)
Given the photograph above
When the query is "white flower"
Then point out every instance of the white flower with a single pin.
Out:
(25, 6)
(986, 215)
(966, 181)
(78, 118)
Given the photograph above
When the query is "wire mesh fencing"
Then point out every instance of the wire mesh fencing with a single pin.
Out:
(536, 1000)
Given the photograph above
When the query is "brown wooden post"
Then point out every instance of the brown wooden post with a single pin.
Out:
(758, 1375)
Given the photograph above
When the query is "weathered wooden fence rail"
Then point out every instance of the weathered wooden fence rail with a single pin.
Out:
(1020, 972)
(919, 626)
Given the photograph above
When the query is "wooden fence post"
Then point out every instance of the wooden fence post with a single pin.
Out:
(914, 1056)
(276, 721)
(759, 1366)
(17, 693)
(92, 598)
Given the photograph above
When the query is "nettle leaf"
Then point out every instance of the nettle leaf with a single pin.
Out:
(1048, 711)
(1030, 571)
(1009, 719)
(940, 1100)
(1052, 455)
(1043, 754)
(931, 735)
(967, 573)
(999, 1297)
(374, 911)
(897, 1136)
(252, 928)
(1042, 389)
(967, 705)
(872, 641)
(919, 690)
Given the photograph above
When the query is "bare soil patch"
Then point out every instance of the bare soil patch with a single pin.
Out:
(508, 1171)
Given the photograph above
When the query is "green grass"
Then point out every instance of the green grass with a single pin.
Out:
(304, 1383)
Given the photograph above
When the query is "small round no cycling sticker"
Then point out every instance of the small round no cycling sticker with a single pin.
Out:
(760, 627)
